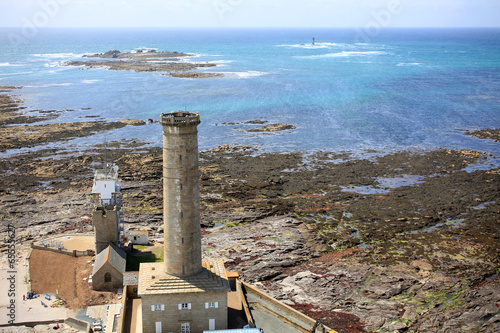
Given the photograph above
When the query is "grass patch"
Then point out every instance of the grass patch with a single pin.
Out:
(143, 253)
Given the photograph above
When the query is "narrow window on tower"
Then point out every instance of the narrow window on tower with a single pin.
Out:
(181, 186)
(182, 214)
(180, 157)
(182, 240)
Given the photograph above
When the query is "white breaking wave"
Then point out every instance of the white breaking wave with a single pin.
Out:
(197, 55)
(65, 84)
(219, 61)
(216, 62)
(58, 55)
(409, 64)
(243, 75)
(8, 64)
(318, 45)
(344, 54)
(48, 85)
(90, 81)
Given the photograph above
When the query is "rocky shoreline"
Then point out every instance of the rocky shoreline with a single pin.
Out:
(402, 242)
(150, 61)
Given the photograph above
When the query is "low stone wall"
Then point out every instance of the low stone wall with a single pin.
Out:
(74, 253)
(78, 324)
(123, 312)
(30, 324)
(244, 303)
(295, 318)
(28, 274)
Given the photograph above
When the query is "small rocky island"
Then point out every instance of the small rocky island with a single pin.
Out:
(149, 61)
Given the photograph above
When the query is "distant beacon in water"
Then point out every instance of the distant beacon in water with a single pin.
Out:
(313, 41)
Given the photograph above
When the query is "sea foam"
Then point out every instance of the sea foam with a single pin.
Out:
(343, 54)
(243, 75)
(321, 45)
(8, 64)
(90, 81)
(409, 64)
(58, 55)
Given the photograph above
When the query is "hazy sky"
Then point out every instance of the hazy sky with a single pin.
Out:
(250, 13)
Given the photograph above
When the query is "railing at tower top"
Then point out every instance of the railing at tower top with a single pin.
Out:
(116, 200)
(109, 173)
(180, 118)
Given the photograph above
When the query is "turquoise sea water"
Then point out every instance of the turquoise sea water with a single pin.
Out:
(403, 88)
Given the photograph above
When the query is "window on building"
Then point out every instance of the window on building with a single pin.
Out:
(185, 306)
(158, 307)
(107, 277)
(185, 328)
(211, 305)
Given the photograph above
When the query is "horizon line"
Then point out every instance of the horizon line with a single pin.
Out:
(253, 27)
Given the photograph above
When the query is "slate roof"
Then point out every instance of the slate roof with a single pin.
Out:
(112, 254)
(130, 278)
(154, 280)
(137, 232)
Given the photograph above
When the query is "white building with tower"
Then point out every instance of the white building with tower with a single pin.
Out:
(106, 183)
(107, 220)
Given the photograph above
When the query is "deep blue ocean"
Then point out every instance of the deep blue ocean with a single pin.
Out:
(401, 89)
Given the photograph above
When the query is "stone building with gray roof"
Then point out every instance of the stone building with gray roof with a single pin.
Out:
(109, 267)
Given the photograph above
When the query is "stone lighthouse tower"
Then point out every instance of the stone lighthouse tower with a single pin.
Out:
(183, 294)
(181, 198)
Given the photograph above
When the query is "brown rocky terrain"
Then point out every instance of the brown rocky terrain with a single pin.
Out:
(150, 61)
(253, 126)
(491, 134)
(273, 128)
(404, 242)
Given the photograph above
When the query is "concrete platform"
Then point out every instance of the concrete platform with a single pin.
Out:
(77, 242)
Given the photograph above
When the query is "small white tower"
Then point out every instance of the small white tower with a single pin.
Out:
(106, 183)
(107, 216)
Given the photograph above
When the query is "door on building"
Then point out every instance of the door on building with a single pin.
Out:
(158, 327)
(185, 328)
(211, 324)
